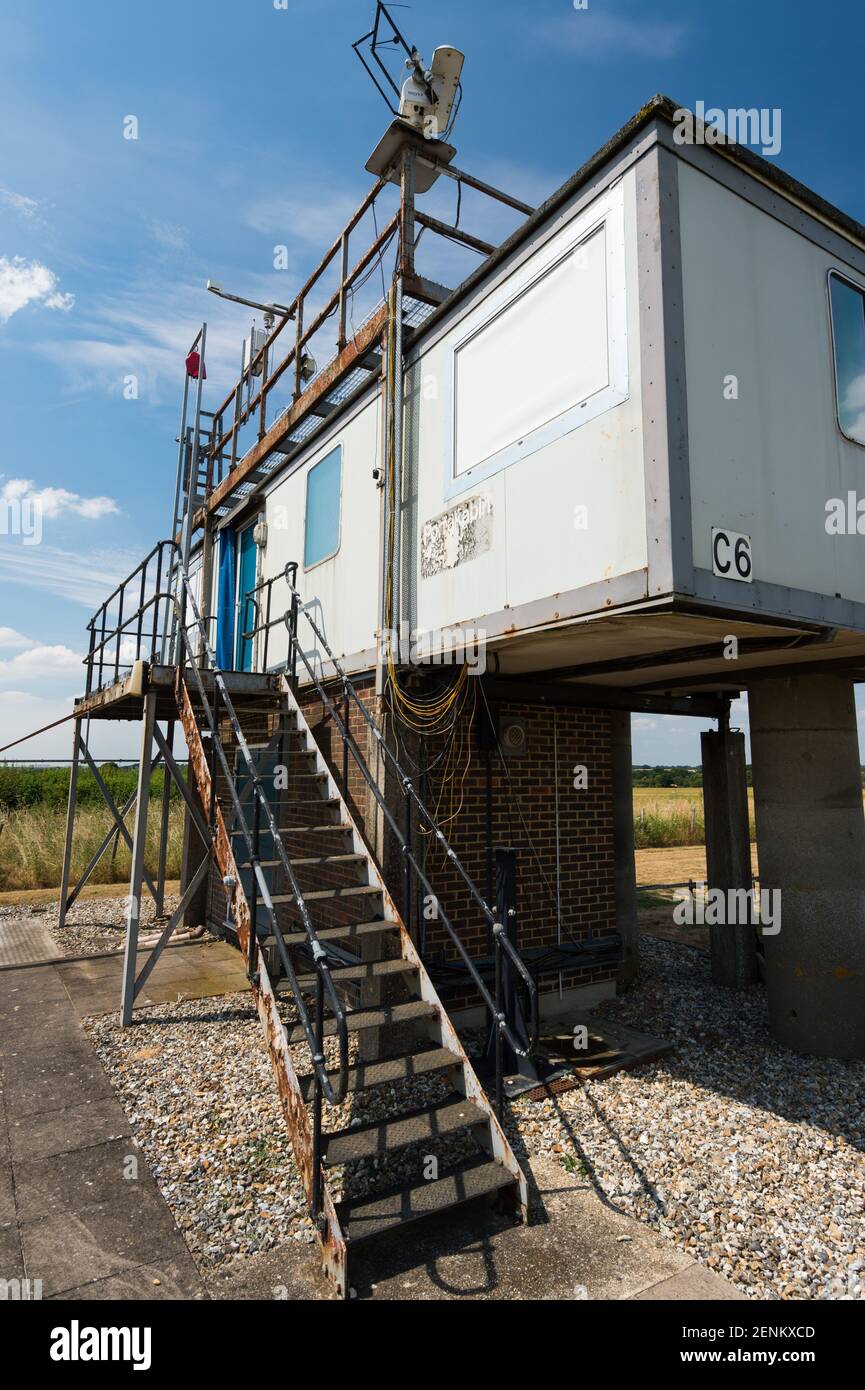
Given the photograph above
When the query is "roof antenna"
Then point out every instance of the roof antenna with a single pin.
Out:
(429, 98)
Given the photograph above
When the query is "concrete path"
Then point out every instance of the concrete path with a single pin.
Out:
(24, 940)
(80, 1210)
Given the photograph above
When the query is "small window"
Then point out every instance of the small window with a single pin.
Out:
(848, 335)
(323, 484)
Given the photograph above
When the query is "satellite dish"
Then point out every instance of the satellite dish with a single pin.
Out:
(427, 99)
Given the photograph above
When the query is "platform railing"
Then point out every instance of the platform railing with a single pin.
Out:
(259, 600)
(176, 612)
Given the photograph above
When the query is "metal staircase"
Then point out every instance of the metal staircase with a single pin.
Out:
(387, 1117)
(388, 1120)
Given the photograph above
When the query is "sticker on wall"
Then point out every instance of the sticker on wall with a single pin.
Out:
(731, 555)
(456, 536)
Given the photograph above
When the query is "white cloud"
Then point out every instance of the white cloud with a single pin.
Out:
(19, 202)
(10, 639)
(594, 34)
(84, 577)
(145, 332)
(315, 218)
(28, 282)
(169, 235)
(38, 661)
(54, 501)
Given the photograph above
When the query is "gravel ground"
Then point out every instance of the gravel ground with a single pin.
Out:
(196, 1083)
(743, 1154)
(93, 924)
(213, 1134)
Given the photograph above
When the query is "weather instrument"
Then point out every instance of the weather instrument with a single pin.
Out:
(429, 98)
(425, 105)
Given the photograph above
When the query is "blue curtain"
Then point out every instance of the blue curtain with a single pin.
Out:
(225, 600)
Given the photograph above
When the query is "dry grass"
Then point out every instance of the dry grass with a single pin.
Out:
(31, 846)
(673, 816)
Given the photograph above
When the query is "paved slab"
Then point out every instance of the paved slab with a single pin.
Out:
(24, 939)
(193, 971)
(576, 1249)
(79, 1208)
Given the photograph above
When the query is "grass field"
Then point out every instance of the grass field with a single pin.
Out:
(665, 817)
(31, 836)
(31, 845)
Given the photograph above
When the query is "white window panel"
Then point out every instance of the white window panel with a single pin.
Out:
(544, 353)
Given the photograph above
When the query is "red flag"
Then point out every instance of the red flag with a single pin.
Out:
(194, 365)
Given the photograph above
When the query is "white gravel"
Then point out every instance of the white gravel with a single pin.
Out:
(748, 1157)
(196, 1083)
(745, 1155)
(92, 924)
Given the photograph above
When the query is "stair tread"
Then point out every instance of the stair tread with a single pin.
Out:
(358, 1019)
(340, 827)
(364, 970)
(372, 1216)
(348, 890)
(383, 1136)
(393, 1069)
(318, 859)
(341, 933)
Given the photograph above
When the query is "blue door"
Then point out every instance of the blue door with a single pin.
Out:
(247, 559)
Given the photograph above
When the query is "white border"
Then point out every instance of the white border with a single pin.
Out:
(609, 212)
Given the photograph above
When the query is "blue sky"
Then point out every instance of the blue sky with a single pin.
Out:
(254, 123)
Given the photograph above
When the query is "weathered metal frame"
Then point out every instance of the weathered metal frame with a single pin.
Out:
(234, 412)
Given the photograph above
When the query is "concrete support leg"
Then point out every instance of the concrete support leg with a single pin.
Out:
(811, 841)
(623, 845)
(728, 853)
(136, 876)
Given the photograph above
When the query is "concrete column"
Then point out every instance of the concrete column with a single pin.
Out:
(623, 846)
(728, 852)
(811, 842)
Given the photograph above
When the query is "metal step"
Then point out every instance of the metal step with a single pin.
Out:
(318, 860)
(364, 970)
(336, 828)
(351, 890)
(372, 1018)
(317, 805)
(384, 1136)
(343, 933)
(392, 1071)
(373, 1216)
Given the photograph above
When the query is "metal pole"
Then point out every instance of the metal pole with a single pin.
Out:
(127, 1000)
(499, 1040)
(186, 533)
(70, 821)
(318, 1061)
(397, 468)
(343, 275)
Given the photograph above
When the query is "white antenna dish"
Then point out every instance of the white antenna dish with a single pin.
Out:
(427, 97)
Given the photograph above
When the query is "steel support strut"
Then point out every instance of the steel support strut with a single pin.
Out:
(133, 918)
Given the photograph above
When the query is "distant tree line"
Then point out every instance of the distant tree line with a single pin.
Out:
(647, 776)
(49, 786)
